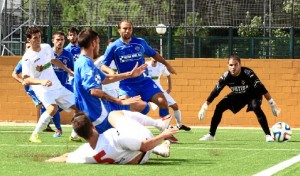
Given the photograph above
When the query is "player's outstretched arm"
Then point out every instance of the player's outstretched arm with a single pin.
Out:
(149, 144)
(17, 77)
(32, 81)
(136, 71)
(275, 110)
(59, 64)
(160, 59)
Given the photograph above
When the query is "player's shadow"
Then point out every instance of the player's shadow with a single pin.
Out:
(176, 161)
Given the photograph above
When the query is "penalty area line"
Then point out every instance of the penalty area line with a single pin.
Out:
(278, 167)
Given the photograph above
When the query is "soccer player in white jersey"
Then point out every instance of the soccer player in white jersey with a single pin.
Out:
(128, 142)
(155, 70)
(38, 72)
(111, 89)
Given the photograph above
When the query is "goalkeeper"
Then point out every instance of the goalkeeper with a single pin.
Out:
(247, 89)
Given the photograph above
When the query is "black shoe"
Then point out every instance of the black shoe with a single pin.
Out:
(48, 129)
(185, 128)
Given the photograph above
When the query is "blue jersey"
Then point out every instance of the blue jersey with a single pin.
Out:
(87, 77)
(74, 50)
(67, 59)
(18, 70)
(126, 56)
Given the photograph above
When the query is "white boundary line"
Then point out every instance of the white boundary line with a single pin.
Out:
(274, 169)
(173, 147)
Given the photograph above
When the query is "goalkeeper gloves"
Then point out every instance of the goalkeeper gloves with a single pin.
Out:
(275, 109)
(202, 111)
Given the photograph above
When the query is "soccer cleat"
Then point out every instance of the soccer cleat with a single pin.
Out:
(163, 123)
(207, 137)
(172, 139)
(48, 129)
(34, 138)
(163, 149)
(57, 134)
(185, 128)
(75, 139)
(269, 138)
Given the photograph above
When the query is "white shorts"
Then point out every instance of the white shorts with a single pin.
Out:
(170, 99)
(62, 97)
(134, 132)
(112, 92)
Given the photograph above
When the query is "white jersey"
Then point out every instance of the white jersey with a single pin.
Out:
(113, 88)
(38, 65)
(156, 72)
(118, 145)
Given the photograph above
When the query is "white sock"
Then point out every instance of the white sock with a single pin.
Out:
(42, 123)
(177, 115)
(141, 118)
(73, 133)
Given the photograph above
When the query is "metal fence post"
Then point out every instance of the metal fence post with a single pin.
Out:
(292, 42)
(170, 56)
(230, 41)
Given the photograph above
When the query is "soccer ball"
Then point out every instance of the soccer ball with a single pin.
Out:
(281, 132)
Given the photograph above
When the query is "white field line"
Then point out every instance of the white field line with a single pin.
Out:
(37, 145)
(274, 169)
(241, 149)
(173, 147)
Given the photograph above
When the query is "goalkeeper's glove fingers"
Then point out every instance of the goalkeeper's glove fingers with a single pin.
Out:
(202, 112)
(275, 110)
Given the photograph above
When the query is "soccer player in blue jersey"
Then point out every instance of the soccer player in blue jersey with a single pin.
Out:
(58, 40)
(88, 80)
(73, 46)
(126, 52)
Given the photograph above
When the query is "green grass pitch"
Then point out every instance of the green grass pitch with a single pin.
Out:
(235, 152)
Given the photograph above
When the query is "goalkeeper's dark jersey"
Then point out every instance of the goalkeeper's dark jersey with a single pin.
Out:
(247, 83)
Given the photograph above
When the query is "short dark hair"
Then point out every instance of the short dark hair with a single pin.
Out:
(110, 41)
(73, 30)
(125, 20)
(32, 30)
(235, 57)
(58, 33)
(85, 37)
(82, 125)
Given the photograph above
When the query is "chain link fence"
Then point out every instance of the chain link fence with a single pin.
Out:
(204, 28)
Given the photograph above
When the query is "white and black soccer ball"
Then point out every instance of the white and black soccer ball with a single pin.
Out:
(281, 132)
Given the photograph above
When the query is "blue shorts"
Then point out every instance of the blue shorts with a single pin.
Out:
(34, 98)
(102, 127)
(110, 106)
(146, 89)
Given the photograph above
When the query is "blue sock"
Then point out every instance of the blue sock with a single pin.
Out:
(163, 112)
(42, 110)
(56, 119)
(146, 109)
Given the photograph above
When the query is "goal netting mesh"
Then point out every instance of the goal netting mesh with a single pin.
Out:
(189, 13)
